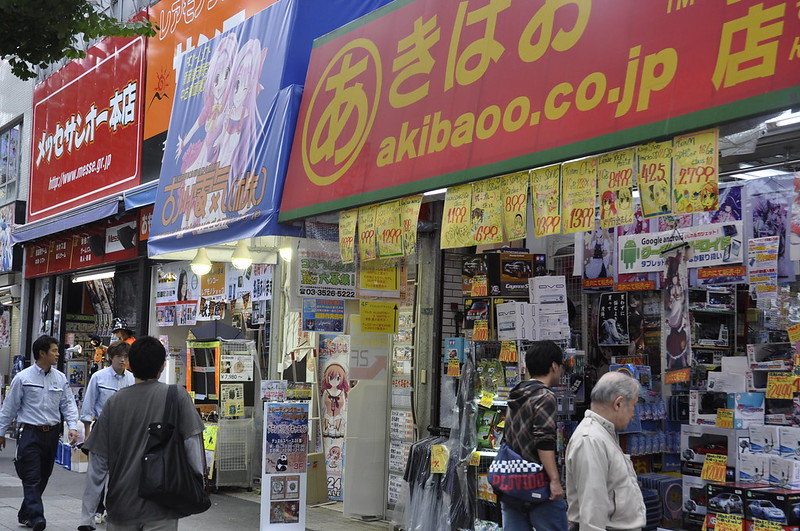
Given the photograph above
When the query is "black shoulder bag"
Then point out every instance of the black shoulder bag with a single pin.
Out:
(167, 476)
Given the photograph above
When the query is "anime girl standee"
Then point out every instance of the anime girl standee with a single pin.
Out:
(335, 388)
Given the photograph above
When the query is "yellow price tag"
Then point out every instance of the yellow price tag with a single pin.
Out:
(486, 399)
(481, 330)
(475, 459)
(724, 418)
(714, 467)
(766, 525)
(439, 456)
(728, 522)
(480, 286)
(794, 332)
(781, 385)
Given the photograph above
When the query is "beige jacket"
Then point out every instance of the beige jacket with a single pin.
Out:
(602, 491)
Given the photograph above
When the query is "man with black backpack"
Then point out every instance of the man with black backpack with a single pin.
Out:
(531, 432)
(120, 439)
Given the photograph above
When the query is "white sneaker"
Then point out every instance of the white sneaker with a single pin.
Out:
(99, 518)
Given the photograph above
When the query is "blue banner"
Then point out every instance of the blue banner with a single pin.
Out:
(233, 123)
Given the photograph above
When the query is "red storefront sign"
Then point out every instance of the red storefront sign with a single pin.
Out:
(89, 246)
(87, 129)
(431, 94)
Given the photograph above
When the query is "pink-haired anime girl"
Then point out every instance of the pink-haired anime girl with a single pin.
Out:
(241, 123)
(335, 388)
(202, 152)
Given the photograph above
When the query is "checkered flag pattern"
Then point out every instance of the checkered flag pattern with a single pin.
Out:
(514, 466)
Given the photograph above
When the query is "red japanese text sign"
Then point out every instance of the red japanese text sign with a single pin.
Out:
(427, 94)
(87, 129)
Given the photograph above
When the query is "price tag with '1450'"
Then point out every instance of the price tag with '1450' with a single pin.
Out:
(714, 467)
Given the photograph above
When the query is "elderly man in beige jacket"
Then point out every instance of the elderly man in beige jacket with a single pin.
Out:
(602, 491)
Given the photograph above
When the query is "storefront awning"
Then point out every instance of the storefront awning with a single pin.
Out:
(142, 195)
(59, 222)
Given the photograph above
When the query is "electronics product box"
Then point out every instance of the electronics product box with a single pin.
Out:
(776, 505)
(475, 309)
(748, 409)
(784, 473)
(694, 495)
(473, 265)
(515, 320)
(764, 440)
(753, 468)
(774, 356)
(703, 407)
(728, 498)
(670, 491)
(721, 382)
(697, 441)
(789, 442)
(508, 274)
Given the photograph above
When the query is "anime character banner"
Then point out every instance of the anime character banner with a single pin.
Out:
(675, 325)
(615, 187)
(227, 144)
(770, 207)
(613, 319)
(634, 281)
(545, 193)
(334, 385)
(696, 172)
(598, 258)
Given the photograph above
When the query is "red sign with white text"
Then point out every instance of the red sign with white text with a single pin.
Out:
(462, 90)
(83, 247)
(87, 129)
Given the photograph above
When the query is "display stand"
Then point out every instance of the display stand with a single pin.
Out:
(283, 469)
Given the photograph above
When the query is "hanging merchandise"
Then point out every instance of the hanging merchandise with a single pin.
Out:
(578, 193)
(409, 215)
(486, 214)
(389, 230)
(598, 258)
(456, 222)
(347, 232)
(696, 171)
(762, 271)
(676, 339)
(654, 178)
(334, 360)
(770, 204)
(515, 205)
(634, 281)
(794, 238)
(615, 187)
(613, 322)
(366, 233)
(545, 194)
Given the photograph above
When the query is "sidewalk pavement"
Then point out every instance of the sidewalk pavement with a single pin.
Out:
(232, 509)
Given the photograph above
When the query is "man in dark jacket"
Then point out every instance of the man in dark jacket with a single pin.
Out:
(531, 432)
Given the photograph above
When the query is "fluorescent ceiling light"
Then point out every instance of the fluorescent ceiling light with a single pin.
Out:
(97, 275)
(788, 120)
(758, 174)
(436, 192)
(286, 254)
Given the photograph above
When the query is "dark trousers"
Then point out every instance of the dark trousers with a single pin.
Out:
(36, 455)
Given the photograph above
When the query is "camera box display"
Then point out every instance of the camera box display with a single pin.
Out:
(789, 438)
(775, 505)
(764, 440)
(753, 468)
(784, 473)
(748, 409)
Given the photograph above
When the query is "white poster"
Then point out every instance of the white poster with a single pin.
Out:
(762, 270)
(235, 368)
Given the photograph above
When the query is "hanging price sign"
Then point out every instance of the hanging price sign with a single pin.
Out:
(480, 331)
(439, 456)
(724, 418)
(781, 385)
(728, 522)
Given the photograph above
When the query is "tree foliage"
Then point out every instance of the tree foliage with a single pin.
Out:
(40, 32)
